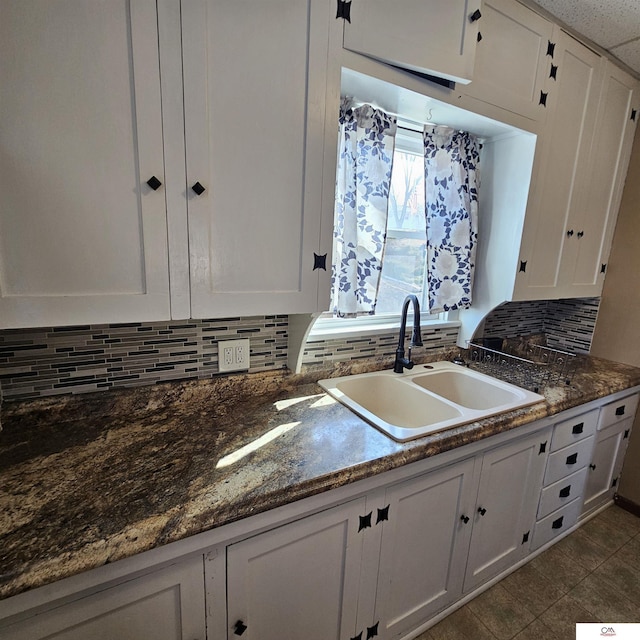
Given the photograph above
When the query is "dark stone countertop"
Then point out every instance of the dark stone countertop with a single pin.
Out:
(91, 479)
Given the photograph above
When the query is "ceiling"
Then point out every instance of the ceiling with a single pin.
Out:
(612, 24)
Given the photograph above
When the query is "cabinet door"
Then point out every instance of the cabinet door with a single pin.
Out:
(606, 464)
(510, 483)
(164, 605)
(609, 160)
(297, 581)
(83, 238)
(255, 90)
(436, 37)
(424, 547)
(561, 168)
(513, 61)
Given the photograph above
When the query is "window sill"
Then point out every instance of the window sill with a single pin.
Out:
(372, 328)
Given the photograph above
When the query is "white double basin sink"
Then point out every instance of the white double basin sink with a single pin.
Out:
(426, 399)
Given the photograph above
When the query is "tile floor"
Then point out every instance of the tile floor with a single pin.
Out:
(592, 575)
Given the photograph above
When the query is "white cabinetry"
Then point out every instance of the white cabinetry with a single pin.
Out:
(98, 100)
(612, 439)
(565, 476)
(83, 238)
(578, 178)
(424, 547)
(298, 581)
(255, 95)
(167, 604)
(437, 37)
(509, 487)
(513, 59)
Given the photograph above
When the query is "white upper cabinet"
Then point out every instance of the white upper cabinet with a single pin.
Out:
(255, 95)
(83, 238)
(578, 186)
(562, 165)
(436, 37)
(513, 60)
(585, 265)
(100, 98)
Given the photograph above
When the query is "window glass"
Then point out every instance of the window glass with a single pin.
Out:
(404, 262)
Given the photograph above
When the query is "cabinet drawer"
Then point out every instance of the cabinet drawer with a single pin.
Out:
(562, 492)
(568, 460)
(574, 430)
(555, 523)
(614, 412)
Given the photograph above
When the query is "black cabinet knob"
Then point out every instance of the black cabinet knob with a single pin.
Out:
(482, 511)
(570, 232)
(592, 467)
(198, 189)
(154, 183)
(239, 628)
(580, 234)
(464, 518)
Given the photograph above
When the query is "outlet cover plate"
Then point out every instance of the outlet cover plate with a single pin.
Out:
(233, 355)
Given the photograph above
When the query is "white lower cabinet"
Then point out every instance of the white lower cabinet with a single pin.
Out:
(167, 604)
(565, 476)
(505, 511)
(299, 580)
(612, 437)
(424, 547)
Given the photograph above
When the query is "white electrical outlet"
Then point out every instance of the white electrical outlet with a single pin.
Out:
(233, 355)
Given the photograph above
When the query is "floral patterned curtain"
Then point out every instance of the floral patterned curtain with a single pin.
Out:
(365, 155)
(451, 196)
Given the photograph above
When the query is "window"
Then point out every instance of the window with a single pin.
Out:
(404, 263)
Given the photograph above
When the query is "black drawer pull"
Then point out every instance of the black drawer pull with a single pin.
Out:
(557, 524)
(578, 428)
(572, 459)
(475, 16)
(620, 410)
(564, 493)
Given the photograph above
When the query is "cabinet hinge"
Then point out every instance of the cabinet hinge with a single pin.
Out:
(554, 72)
(383, 514)
(603, 268)
(626, 434)
(344, 10)
(479, 37)
(372, 632)
(543, 447)
(319, 262)
(525, 537)
(634, 113)
(523, 266)
(365, 521)
(551, 47)
(543, 98)
(358, 637)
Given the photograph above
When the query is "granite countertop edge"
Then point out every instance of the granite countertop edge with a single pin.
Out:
(94, 479)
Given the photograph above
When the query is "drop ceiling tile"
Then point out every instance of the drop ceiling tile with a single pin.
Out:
(629, 54)
(608, 22)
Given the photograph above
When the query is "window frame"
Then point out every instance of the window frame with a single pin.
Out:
(327, 326)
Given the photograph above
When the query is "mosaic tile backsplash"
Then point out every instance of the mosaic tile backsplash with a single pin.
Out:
(567, 324)
(48, 361)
